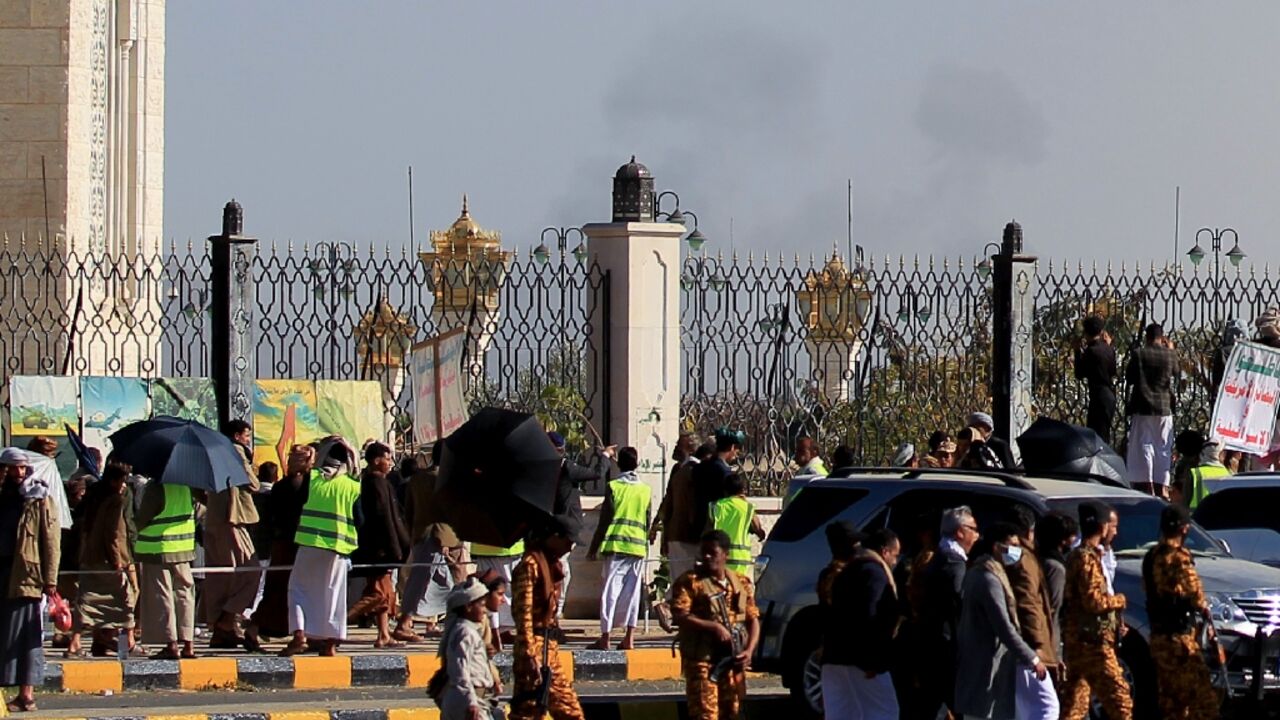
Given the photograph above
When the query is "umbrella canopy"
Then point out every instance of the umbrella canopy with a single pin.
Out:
(1053, 446)
(87, 461)
(498, 476)
(183, 452)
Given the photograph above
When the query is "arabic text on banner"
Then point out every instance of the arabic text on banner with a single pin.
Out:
(1244, 415)
(453, 406)
(422, 375)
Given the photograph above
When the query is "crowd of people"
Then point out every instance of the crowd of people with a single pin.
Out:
(1016, 620)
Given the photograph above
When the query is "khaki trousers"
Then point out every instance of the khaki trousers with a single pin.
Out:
(168, 612)
(233, 592)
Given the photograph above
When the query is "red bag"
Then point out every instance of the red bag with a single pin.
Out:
(60, 612)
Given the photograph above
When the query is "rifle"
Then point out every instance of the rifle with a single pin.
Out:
(737, 635)
(1215, 654)
(540, 696)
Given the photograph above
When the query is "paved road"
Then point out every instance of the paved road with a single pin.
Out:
(68, 705)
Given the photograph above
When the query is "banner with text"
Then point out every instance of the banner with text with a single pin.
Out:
(1244, 415)
(435, 371)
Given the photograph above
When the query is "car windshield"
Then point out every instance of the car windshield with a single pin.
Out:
(1140, 525)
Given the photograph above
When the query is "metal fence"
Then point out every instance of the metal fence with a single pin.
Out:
(870, 356)
(531, 343)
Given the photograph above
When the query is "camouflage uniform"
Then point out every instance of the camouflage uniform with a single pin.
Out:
(826, 579)
(1186, 692)
(1090, 627)
(692, 593)
(534, 601)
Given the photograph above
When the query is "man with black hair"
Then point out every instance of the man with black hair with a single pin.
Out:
(569, 494)
(1175, 605)
(1092, 625)
(620, 535)
(678, 518)
(536, 586)
(1035, 696)
(1151, 373)
(735, 515)
(383, 543)
(858, 642)
(719, 623)
(709, 477)
(991, 656)
(228, 543)
(842, 457)
(1095, 364)
(844, 541)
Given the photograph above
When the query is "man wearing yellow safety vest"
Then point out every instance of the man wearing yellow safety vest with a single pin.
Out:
(165, 548)
(1209, 467)
(811, 467)
(326, 537)
(736, 516)
(621, 535)
(501, 561)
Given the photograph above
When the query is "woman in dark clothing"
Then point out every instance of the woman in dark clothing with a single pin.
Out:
(271, 618)
(29, 549)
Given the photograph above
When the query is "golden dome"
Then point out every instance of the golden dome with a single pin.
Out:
(464, 235)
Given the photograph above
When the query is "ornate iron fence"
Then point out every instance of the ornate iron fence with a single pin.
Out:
(323, 311)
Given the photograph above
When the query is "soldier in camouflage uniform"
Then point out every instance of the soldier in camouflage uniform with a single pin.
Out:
(1091, 624)
(708, 602)
(1174, 603)
(536, 586)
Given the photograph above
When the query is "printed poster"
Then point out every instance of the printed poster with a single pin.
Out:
(108, 404)
(1244, 415)
(186, 398)
(43, 404)
(453, 404)
(352, 409)
(422, 377)
(285, 413)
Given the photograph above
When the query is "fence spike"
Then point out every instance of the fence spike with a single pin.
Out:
(751, 257)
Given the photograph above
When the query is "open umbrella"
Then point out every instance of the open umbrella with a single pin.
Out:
(498, 476)
(183, 452)
(87, 461)
(1053, 446)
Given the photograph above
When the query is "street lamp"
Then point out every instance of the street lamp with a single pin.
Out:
(1235, 255)
(679, 216)
(984, 267)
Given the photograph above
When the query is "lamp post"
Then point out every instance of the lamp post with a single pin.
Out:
(333, 259)
(1235, 255)
(676, 215)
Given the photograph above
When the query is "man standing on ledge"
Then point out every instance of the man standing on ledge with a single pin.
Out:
(1152, 372)
(719, 622)
(534, 600)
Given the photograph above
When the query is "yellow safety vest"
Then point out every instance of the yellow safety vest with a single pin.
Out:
(815, 469)
(480, 550)
(1198, 475)
(628, 533)
(326, 521)
(733, 515)
(174, 529)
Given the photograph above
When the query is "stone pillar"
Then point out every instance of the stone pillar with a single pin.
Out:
(232, 347)
(1013, 353)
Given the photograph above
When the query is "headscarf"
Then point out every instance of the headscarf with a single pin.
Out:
(1268, 324)
(335, 456)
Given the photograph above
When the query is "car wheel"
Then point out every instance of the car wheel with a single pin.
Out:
(811, 683)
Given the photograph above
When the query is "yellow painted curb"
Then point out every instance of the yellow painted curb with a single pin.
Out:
(300, 714)
(321, 673)
(421, 667)
(92, 677)
(423, 713)
(207, 673)
(566, 664)
(652, 664)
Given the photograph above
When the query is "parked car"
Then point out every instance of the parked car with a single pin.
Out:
(1243, 595)
(1241, 510)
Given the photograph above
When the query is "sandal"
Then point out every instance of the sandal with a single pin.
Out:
(165, 654)
(387, 645)
(408, 636)
(19, 705)
(293, 648)
(74, 654)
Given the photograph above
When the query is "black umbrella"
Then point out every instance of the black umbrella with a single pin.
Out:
(183, 452)
(1053, 446)
(498, 475)
(86, 461)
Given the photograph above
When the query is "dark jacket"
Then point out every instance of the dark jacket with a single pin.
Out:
(1096, 365)
(572, 477)
(284, 503)
(1055, 578)
(864, 617)
(708, 487)
(943, 577)
(1151, 373)
(384, 539)
(1002, 451)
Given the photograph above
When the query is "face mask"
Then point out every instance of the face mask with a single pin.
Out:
(1012, 555)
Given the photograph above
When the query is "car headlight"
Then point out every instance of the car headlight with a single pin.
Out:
(1223, 610)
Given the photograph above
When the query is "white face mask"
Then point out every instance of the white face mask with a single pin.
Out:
(1012, 555)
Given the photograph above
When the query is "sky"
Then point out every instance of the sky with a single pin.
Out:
(1077, 118)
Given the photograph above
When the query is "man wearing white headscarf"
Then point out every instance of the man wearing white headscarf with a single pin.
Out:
(326, 538)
